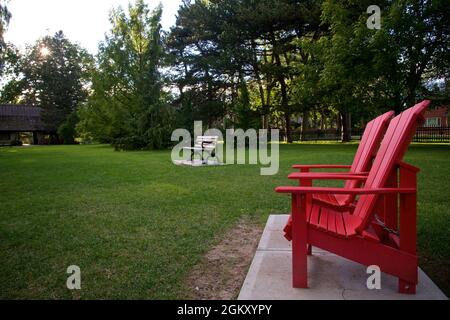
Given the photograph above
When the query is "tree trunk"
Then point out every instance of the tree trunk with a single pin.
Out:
(283, 86)
(346, 127)
(287, 118)
(315, 121)
(265, 121)
(264, 116)
(304, 125)
(285, 105)
(267, 106)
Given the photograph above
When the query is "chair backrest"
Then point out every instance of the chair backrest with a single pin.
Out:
(370, 141)
(395, 143)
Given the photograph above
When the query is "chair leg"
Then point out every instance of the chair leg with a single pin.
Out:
(406, 287)
(299, 243)
(300, 267)
(408, 227)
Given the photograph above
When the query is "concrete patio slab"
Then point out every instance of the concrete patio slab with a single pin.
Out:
(330, 277)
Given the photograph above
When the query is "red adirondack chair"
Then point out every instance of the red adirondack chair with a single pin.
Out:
(370, 234)
(371, 139)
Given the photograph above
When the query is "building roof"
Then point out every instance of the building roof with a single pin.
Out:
(20, 118)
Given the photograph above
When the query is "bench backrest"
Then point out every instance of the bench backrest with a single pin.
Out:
(207, 142)
(395, 143)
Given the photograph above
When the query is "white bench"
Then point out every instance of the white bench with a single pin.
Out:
(204, 144)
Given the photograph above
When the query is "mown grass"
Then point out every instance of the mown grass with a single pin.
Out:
(136, 224)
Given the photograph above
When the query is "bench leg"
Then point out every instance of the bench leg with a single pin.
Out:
(194, 153)
(211, 156)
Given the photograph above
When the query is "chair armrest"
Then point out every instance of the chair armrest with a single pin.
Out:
(352, 191)
(326, 176)
(321, 166)
(407, 166)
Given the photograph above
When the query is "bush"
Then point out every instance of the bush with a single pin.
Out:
(151, 130)
(67, 131)
(16, 143)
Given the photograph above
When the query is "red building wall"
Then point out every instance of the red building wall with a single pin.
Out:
(441, 112)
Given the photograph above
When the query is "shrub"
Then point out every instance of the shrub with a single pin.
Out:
(150, 130)
(67, 131)
(16, 143)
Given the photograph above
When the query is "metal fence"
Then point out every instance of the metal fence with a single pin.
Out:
(432, 134)
(423, 134)
(314, 135)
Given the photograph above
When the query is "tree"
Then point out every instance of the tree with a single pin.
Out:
(246, 118)
(53, 74)
(347, 52)
(9, 57)
(127, 107)
(308, 91)
(10, 71)
(5, 16)
(414, 49)
(217, 43)
(67, 130)
(200, 70)
(368, 71)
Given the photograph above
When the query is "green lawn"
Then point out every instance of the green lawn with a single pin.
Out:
(136, 224)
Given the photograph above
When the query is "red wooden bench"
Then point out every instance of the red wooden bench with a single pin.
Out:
(369, 235)
(370, 142)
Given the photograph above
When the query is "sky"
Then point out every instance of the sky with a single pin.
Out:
(82, 21)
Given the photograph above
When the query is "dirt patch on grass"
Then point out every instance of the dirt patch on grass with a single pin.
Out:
(223, 269)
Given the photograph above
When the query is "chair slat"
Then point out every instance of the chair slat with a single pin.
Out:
(393, 148)
(332, 221)
(340, 228)
(323, 222)
(315, 213)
